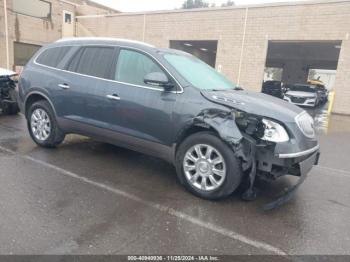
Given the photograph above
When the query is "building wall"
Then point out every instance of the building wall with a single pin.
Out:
(32, 30)
(303, 21)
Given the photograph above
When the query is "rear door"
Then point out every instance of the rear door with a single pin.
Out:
(86, 78)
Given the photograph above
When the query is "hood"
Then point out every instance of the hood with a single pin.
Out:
(255, 103)
(5, 72)
(301, 94)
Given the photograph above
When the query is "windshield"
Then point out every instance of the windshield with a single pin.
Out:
(302, 88)
(198, 73)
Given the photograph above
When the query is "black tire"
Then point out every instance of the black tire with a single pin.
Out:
(10, 108)
(56, 135)
(234, 171)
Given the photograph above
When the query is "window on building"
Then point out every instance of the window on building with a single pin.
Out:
(35, 8)
(93, 61)
(132, 67)
(53, 56)
(23, 52)
(68, 18)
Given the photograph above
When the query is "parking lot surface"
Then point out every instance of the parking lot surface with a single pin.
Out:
(87, 197)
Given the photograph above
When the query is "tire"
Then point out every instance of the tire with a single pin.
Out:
(231, 166)
(53, 135)
(10, 108)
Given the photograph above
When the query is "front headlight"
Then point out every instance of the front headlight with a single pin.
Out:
(274, 132)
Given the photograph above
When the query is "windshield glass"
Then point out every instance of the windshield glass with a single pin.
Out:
(198, 73)
(302, 88)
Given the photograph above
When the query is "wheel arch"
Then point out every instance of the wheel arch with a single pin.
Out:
(33, 97)
(190, 130)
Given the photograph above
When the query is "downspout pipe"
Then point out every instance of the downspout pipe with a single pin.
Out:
(242, 47)
(6, 36)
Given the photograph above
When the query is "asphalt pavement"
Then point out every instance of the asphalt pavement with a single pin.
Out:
(86, 197)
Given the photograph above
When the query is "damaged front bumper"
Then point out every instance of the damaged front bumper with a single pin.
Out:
(302, 168)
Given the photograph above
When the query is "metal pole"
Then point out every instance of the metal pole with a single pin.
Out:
(144, 28)
(242, 47)
(6, 36)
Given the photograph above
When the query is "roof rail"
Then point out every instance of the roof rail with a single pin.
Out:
(102, 39)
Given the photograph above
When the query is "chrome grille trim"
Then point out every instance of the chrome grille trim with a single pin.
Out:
(298, 154)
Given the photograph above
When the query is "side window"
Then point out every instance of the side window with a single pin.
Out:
(93, 61)
(75, 61)
(53, 56)
(133, 66)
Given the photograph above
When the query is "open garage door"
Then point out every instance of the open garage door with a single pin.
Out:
(292, 61)
(303, 73)
(203, 49)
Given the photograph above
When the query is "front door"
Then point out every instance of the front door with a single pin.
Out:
(135, 108)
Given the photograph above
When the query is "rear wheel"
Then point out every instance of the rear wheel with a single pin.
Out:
(42, 125)
(207, 166)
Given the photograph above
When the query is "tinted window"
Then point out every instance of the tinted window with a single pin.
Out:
(93, 61)
(132, 67)
(53, 56)
(75, 61)
(303, 88)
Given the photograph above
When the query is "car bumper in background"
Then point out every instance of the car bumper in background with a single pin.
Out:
(311, 102)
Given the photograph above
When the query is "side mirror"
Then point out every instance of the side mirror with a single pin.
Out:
(158, 79)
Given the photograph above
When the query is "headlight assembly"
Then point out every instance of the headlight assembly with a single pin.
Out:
(274, 132)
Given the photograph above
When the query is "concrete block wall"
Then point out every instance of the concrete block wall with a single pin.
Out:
(33, 30)
(328, 20)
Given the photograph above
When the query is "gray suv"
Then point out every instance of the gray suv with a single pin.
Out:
(168, 104)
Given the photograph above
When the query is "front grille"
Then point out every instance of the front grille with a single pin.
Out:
(299, 100)
(306, 124)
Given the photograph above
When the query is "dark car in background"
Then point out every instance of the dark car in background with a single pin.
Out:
(273, 88)
(168, 104)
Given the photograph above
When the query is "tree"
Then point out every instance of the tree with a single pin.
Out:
(228, 3)
(188, 4)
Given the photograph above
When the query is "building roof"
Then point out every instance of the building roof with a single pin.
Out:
(286, 3)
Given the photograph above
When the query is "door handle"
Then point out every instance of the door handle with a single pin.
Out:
(113, 97)
(64, 86)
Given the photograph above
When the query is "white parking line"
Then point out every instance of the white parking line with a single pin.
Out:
(168, 210)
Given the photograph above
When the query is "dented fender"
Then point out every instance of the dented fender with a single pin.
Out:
(221, 121)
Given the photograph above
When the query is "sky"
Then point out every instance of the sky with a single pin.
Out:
(152, 5)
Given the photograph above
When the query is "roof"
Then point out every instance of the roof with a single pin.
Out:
(95, 4)
(103, 39)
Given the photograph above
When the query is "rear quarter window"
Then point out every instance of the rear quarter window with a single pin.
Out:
(93, 61)
(53, 56)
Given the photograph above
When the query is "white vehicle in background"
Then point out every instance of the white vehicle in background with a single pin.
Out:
(302, 95)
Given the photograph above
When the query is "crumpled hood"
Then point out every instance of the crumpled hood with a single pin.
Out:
(255, 103)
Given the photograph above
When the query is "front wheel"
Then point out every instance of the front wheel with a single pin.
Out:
(207, 166)
(42, 125)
